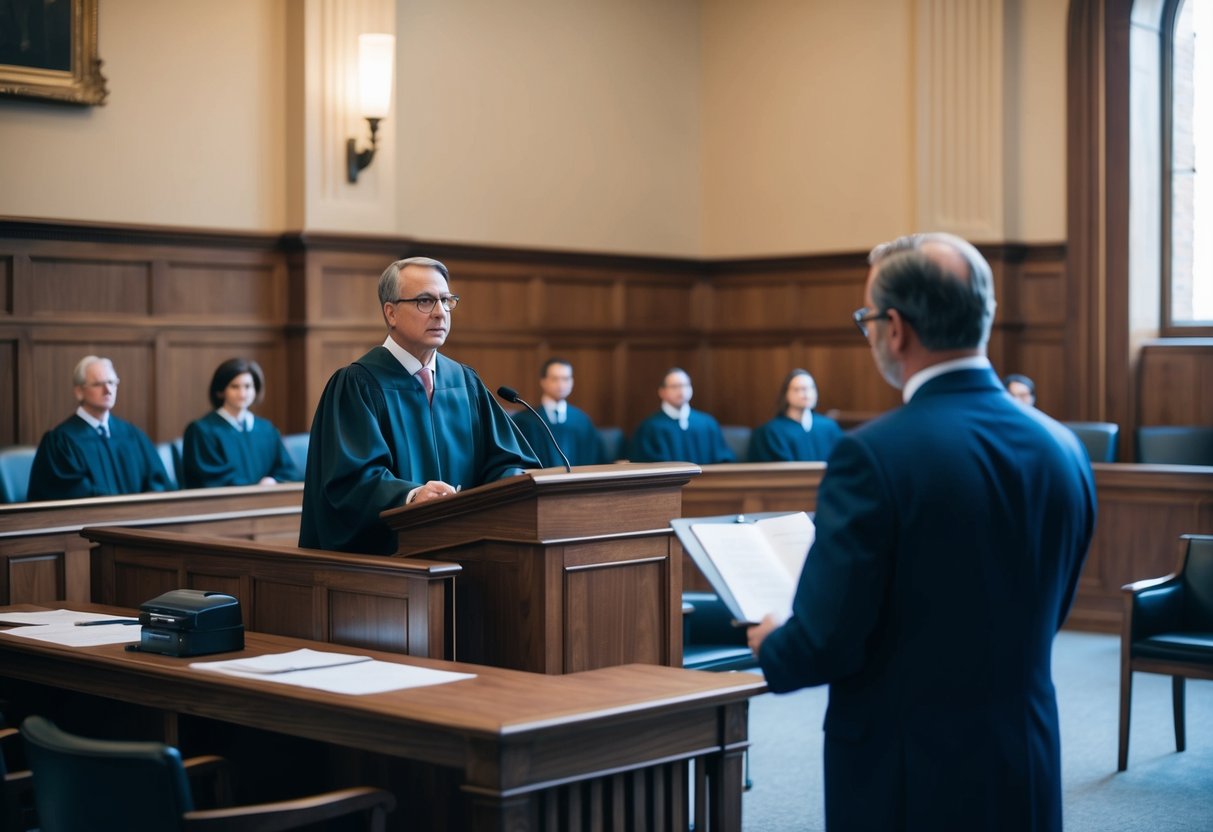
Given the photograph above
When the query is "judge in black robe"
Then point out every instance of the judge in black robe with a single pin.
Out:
(229, 445)
(796, 434)
(75, 459)
(677, 432)
(377, 439)
(570, 426)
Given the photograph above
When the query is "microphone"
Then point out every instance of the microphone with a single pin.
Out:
(511, 396)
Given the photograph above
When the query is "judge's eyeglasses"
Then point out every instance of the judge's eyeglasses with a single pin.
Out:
(425, 303)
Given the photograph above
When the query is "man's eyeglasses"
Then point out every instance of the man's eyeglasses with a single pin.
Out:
(863, 315)
(425, 303)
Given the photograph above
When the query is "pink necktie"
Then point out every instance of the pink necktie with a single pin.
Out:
(428, 383)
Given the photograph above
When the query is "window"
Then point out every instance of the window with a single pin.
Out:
(1188, 160)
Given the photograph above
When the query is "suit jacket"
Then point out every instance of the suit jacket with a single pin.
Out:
(950, 536)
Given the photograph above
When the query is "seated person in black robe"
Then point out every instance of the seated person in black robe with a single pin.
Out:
(402, 423)
(796, 434)
(229, 445)
(571, 427)
(94, 453)
(676, 432)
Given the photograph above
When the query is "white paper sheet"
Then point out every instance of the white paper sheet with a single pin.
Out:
(332, 672)
(68, 634)
(55, 617)
(759, 562)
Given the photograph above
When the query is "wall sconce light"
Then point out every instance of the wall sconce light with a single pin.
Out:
(376, 56)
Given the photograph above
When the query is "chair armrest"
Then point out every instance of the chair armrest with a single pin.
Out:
(216, 769)
(291, 814)
(1153, 606)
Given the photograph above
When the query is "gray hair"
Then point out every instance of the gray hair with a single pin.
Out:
(948, 311)
(389, 282)
(80, 374)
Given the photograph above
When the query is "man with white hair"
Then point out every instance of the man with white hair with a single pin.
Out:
(94, 453)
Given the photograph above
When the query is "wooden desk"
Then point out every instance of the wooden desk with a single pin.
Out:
(403, 605)
(43, 558)
(607, 748)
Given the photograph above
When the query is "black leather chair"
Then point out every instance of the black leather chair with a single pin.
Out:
(612, 443)
(296, 445)
(737, 437)
(1168, 628)
(709, 639)
(1175, 444)
(1099, 438)
(108, 786)
(16, 790)
(15, 464)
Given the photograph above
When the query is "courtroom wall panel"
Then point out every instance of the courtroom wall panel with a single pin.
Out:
(1176, 383)
(168, 305)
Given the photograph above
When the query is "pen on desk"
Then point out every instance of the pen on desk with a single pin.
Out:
(107, 621)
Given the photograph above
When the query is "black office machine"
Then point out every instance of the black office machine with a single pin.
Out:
(191, 622)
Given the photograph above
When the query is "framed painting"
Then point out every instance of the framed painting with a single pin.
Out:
(48, 50)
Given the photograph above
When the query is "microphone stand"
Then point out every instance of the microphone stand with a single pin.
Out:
(511, 396)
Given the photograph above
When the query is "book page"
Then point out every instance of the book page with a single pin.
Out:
(753, 572)
(791, 536)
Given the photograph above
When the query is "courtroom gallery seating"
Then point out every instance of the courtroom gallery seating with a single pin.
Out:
(612, 443)
(709, 639)
(737, 437)
(296, 445)
(110, 786)
(1175, 444)
(15, 464)
(1099, 438)
(1168, 629)
(170, 458)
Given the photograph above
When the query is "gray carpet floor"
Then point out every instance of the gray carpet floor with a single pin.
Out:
(1161, 791)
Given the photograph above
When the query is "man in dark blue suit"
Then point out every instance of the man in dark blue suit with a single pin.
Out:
(950, 536)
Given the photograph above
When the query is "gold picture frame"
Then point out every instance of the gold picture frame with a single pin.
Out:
(48, 50)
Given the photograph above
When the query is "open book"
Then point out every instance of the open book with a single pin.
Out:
(753, 562)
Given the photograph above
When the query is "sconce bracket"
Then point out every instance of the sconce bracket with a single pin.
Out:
(357, 160)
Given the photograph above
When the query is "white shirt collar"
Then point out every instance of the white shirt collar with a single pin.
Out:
(93, 422)
(557, 411)
(234, 422)
(682, 414)
(806, 421)
(969, 362)
(408, 360)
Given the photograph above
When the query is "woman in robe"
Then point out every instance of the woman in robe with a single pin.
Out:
(796, 434)
(229, 445)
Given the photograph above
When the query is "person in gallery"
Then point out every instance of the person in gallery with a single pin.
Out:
(677, 432)
(950, 534)
(573, 429)
(1022, 388)
(796, 434)
(93, 453)
(403, 423)
(229, 445)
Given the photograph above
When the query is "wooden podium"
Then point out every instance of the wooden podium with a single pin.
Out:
(562, 572)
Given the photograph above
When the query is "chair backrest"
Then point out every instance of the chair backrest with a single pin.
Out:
(612, 443)
(737, 437)
(1099, 438)
(296, 446)
(1198, 583)
(15, 464)
(103, 785)
(168, 458)
(1175, 444)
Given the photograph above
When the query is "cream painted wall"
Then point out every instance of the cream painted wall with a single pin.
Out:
(808, 129)
(191, 134)
(570, 124)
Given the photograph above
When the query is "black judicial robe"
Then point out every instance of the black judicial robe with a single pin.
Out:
(375, 438)
(785, 440)
(215, 453)
(577, 436)
(660, 439)
(74, 461)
